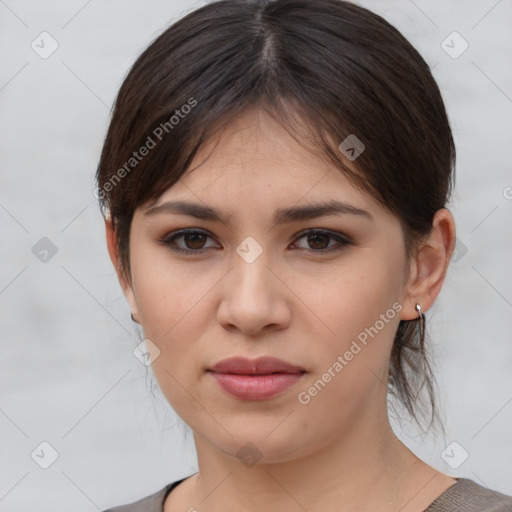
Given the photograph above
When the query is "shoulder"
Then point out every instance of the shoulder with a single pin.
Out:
(151, 503)
(469, 496)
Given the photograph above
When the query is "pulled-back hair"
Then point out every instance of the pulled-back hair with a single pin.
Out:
(324, 69)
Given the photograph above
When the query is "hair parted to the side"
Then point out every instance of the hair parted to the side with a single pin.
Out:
(324, 69)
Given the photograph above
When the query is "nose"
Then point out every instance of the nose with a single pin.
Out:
(255, 298)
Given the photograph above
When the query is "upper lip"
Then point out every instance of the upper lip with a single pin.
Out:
(260, 366)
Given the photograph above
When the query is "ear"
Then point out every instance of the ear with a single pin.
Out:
(126, 285)
(429, 266)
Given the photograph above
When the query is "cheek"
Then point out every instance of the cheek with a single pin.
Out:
(175, 305)
(171, 306)
(353, 299)
(359, 309)
(352, 357)
(168, 293)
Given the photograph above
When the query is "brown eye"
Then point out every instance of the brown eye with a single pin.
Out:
(193, 240)
(318, 241)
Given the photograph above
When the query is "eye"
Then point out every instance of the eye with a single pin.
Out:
(194, 240)
(319, 241)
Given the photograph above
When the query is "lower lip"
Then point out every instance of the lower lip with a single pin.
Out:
(256, 387)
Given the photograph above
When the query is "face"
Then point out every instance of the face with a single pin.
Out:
(321, 291)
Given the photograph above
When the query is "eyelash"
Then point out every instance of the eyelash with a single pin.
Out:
(168, 240)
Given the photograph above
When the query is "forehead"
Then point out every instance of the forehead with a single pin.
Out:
(253, 173)
(256, 157)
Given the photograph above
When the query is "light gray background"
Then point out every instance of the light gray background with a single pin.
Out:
(68, 375)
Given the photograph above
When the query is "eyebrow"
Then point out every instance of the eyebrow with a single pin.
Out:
(281, 216)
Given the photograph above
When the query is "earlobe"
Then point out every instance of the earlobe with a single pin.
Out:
(430, 265)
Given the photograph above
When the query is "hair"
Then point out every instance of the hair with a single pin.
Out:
(325, 70)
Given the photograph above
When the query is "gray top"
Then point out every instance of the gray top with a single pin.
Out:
(463, 496)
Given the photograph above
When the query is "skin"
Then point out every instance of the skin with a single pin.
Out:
(292, 303)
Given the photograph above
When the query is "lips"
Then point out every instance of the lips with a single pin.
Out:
(260, 366)
(257, 379)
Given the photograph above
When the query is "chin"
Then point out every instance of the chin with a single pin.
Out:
(261, 444)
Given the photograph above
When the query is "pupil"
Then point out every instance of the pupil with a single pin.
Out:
(318, 236)
(195, 237)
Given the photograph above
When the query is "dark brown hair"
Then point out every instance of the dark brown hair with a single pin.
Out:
(324, 69)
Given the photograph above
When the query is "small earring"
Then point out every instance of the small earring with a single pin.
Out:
(421, 318)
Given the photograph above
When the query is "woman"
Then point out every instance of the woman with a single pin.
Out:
(274, 182)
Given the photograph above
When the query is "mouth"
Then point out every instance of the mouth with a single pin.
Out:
(257, 379)
(261, 366)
